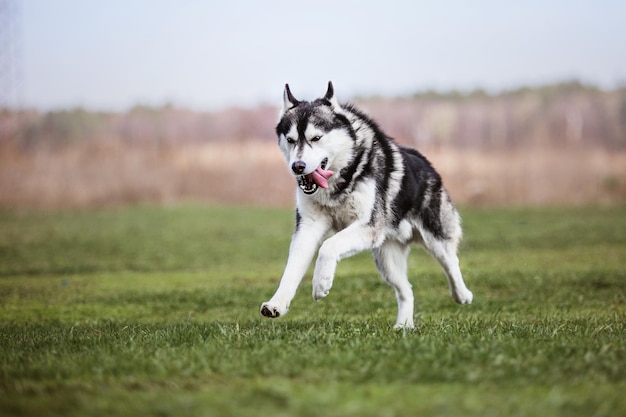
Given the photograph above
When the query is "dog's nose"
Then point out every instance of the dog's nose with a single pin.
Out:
(298, 167)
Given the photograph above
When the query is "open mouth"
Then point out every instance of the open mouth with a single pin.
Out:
(318, 178)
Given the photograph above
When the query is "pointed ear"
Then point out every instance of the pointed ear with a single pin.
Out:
(330, 95)
(289, 100)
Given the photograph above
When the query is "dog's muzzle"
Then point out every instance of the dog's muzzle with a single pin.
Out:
(310, 183)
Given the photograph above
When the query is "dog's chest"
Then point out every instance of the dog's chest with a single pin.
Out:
(355, 207)
(342, 217)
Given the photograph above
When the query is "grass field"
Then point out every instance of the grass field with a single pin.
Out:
(154, 311)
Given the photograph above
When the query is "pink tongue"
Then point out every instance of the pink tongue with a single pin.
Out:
(321, 176)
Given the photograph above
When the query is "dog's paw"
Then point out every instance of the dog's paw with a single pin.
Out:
(272, 310)
(321, 288)
(404, 325)
(464, 296)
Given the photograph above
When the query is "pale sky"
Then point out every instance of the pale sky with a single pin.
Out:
(111, 55)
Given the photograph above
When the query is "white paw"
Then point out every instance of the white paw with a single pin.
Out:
(273, 310)
(463, 296)
(321, 288)
(404, 325)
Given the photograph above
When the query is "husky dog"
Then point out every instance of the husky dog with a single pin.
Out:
(370, 193)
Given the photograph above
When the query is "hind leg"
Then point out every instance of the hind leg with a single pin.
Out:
(445, 252)
(391, 261)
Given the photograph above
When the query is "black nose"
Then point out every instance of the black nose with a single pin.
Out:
(298, 167)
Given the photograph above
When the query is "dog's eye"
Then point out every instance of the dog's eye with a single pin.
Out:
(291, 140)
(315, 138)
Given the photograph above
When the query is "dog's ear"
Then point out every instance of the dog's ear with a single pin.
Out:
(289, 100)
(330, 95)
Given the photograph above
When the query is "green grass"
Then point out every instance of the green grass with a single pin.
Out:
(154, 311)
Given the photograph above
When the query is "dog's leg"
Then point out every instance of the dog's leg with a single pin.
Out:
(349, 241)
(305, 241)
(391, 261)
(445, 252)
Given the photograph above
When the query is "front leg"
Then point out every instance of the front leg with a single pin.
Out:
(304, 243)
(350, 241)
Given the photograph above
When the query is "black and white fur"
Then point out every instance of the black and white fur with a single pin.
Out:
(381, 197)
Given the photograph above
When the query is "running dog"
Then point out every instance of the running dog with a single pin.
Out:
(356, 190)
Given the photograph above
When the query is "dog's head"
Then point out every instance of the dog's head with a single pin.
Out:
(313, 136)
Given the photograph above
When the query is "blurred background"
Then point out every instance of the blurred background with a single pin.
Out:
(150, 101)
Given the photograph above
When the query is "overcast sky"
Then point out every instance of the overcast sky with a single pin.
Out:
(111, 55)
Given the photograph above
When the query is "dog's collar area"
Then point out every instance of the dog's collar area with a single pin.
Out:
(310, 183)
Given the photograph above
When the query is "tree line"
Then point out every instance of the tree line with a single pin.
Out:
(556, 114)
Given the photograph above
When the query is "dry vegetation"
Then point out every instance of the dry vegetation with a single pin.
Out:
(562, 144)
(255, 173)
